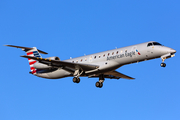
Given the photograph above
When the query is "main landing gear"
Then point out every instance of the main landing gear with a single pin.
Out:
(76, 75)
(76, 80)
(99, 84)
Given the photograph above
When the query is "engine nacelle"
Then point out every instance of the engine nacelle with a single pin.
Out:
(38, 65)
(53, 58)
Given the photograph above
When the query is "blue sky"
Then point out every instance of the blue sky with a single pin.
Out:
(74, 28)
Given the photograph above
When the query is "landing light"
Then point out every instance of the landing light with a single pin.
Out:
(173, 55)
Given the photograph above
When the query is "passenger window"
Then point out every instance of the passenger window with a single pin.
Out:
(99, 56)
(117, 52)
(112, 53)
(104, 55)
(76, 61)
(149, 44)
(81, 60)
(94, 57)
(72, 61)
(85, 59)
(108, 54)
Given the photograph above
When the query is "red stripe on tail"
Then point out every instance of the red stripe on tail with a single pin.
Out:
(34, 71)
(29, 53)
(30, 63)
(32, 68)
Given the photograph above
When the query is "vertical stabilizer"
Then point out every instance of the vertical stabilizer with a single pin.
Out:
(34, 53)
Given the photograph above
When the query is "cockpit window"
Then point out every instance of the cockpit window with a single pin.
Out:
(156, 43)
(149, 44)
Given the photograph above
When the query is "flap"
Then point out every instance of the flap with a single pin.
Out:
(117, 74)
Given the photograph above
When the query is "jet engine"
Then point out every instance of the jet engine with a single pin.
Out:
(39, 65)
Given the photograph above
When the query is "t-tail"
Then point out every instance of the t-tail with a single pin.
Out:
(34, 52)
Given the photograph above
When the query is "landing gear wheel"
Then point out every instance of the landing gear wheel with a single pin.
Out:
(99, 84)
(76, 80)
(163, 64)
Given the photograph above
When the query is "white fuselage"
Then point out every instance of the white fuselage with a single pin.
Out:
(113, 59)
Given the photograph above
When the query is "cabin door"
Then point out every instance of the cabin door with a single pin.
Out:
(150, 51)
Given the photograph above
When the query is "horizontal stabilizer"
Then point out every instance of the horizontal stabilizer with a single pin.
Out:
(26, 48)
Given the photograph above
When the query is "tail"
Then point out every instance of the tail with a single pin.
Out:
(34, 52)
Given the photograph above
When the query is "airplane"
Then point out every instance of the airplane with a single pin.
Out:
(99, 65)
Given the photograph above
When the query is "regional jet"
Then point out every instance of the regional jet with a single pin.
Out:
(101, 65)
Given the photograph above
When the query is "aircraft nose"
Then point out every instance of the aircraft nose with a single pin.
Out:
(172, 50)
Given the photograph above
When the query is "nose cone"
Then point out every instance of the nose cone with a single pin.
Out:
(172, 50)
(166, 50)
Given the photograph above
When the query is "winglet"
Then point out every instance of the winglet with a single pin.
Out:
(26, 48)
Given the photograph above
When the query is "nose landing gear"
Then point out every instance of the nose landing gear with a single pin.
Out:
(164, 57)
(163, 64)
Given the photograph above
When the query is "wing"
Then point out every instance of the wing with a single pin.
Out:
(57, 63)
(116, 75)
